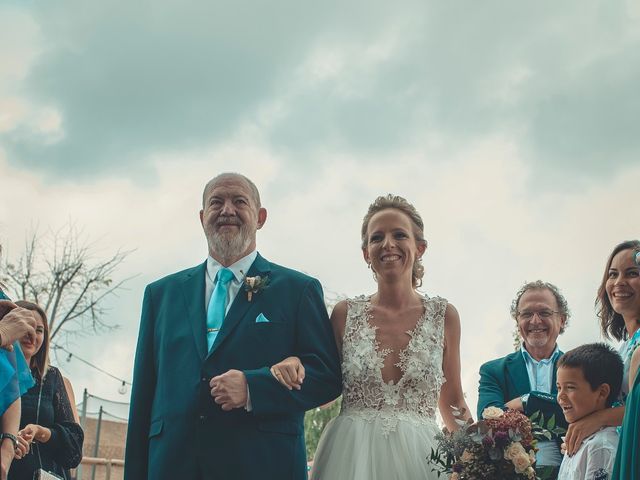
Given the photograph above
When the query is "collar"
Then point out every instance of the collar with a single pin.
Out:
(239, 269)
(528, 358)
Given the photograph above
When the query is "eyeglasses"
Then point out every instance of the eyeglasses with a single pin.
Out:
(542, 314)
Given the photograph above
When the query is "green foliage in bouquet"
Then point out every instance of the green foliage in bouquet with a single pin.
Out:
(545, 428)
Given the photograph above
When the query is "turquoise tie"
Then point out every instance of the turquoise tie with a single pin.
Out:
(217, 305)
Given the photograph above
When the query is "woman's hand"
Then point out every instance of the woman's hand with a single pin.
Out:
(586, 426)
(16, 323)
(23, 447)
(35, 433)
(289, 372)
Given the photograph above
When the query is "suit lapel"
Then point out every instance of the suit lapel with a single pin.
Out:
(193, 288)
(517, 373)
(240, 304)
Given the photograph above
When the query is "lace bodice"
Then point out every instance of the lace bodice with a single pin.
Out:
(415, 395)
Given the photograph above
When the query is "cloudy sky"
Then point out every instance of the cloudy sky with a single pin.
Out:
(513, 128)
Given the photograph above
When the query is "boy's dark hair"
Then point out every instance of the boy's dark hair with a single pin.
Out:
(599, 364)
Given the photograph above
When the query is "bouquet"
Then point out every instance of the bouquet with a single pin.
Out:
(501, 445)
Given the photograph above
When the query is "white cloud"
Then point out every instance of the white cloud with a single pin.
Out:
(324, 116)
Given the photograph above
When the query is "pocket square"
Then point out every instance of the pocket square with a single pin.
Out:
(262, 319)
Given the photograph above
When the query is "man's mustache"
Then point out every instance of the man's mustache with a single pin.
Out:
(228, 221)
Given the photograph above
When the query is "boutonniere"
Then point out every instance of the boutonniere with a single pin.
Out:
(255, 285)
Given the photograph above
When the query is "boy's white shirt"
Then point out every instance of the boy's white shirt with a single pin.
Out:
(594, 459)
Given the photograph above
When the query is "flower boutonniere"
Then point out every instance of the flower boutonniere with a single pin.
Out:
(255, 285)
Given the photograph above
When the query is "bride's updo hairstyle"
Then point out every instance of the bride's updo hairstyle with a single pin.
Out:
(385, 202)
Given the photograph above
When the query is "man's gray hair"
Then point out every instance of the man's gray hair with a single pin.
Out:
(252, 186)
(563, 306)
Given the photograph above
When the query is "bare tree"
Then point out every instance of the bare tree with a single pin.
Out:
(58, 272)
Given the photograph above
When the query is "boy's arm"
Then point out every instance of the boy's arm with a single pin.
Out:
(586, 426)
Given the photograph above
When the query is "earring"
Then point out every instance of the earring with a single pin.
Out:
(369, 265)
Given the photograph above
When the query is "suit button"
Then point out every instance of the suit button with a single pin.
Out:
(203, 417)
(204, 379)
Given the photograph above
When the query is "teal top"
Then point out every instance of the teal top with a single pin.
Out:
(627, 466)
(15, 376)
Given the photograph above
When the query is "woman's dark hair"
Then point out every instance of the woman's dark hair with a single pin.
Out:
(612, 323)
(40, 359)
(599, 364)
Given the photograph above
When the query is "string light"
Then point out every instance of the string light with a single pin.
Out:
(122, 389)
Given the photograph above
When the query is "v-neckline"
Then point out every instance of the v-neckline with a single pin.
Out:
(381, 353)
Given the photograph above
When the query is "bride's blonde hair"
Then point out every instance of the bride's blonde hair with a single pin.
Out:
(389, 200)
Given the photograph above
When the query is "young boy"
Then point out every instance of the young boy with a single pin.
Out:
(589, 379)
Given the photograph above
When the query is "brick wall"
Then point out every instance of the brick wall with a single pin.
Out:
(111, 446)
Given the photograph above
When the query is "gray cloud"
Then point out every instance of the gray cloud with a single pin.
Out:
(133, 81)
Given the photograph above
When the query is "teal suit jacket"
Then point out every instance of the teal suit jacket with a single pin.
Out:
(176, 430)
(506, 378)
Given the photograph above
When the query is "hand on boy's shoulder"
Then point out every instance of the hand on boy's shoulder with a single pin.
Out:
(580, 430)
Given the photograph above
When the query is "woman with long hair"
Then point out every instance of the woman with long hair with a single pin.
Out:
(618, 304)
(50, 437)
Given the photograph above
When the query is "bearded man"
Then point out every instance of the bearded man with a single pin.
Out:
(204, 404)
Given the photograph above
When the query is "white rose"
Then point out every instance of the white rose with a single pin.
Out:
(521, 462)
(513, 450)
(492, 412)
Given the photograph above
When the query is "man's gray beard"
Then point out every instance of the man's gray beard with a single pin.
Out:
(230, 247)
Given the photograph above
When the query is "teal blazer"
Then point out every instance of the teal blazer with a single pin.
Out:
(176, 430)
(506, 378)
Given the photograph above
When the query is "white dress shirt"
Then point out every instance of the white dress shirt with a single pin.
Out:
(239, 269)
(541, 380)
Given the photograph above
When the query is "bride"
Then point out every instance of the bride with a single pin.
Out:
(400, 360)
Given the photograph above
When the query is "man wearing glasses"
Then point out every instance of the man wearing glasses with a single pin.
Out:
(526, 379)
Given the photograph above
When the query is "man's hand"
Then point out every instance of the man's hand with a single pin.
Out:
(515, 404)
(16, 324)
(229, 390)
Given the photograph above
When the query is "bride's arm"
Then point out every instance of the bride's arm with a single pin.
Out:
(338, 322)
(290, 371)
(451, 391)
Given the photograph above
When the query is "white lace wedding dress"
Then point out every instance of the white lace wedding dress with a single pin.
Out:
(385, 431)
